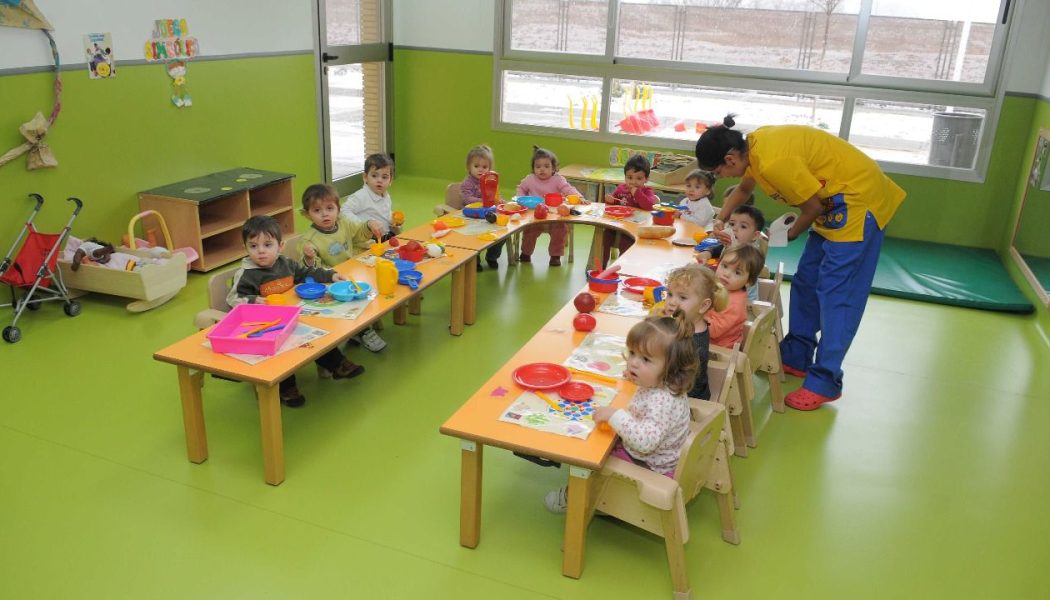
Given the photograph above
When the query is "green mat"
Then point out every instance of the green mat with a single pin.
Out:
(928, 272)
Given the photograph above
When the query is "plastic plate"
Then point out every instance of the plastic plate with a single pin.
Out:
(618, 212)
(576, 391)
(637, 285)
(541, 376)
(410, 278)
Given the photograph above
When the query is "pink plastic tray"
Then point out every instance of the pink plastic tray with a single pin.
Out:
(224, 338)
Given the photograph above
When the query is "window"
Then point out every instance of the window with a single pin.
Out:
(913, 84)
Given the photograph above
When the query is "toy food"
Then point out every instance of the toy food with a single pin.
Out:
(434, 250)
(564, 210)
(540, 212)
(583, 302)
(512, 206)
(584, 322)
(376, 249)
(653, 232)
(572, 199)
(394, 242)
(397, 217)
(492, 217)
(699, 236)
(439, 225)
(442, 233)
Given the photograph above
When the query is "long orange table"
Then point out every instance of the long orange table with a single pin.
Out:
(477, 424)
(193, 359)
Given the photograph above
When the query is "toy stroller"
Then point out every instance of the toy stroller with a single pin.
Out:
(34, 270)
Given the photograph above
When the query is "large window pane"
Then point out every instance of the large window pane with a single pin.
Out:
(551, 100)
(346, 119)
(353, 22)
(807, 35)
(942, 40)
(923, 134)
(680, 111)
(574, 26)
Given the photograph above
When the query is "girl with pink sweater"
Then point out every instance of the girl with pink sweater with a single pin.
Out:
(545, 180)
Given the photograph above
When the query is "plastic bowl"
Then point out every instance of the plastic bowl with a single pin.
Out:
(412, 255)
(602, 286)
(553, 199)
(311, 290)
(344, 291)
(663, 217)
(528, 201)
(410, 278)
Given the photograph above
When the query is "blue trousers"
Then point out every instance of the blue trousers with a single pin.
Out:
(828, 295)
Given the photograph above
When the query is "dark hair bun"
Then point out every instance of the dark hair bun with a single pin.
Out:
(729, 121)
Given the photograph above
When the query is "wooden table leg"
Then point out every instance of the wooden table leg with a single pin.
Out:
(470, 292)
(415, 304)
(576, 522)
(459, 278)
(272, 434)
(190, 383)
(470, 493)
(401, 314)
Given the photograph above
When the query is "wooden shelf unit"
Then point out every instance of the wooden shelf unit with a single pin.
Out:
(206, 213)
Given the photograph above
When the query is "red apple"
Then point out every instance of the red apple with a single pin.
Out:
(584, 322)
(584, 302)
(394, 243)
(541, 211)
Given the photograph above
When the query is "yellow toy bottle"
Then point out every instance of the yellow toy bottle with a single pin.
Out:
(386, 277)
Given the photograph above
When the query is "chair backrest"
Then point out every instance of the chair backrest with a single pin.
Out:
(453, 196)
(219, 286)
(769, 289)
(699, 449)
(760, 335)
(293, 247)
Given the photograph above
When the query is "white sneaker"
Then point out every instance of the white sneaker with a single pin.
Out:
(557, 501)
(323, 373)
(371, 340)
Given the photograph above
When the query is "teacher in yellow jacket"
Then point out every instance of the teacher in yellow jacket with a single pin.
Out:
(845, 201)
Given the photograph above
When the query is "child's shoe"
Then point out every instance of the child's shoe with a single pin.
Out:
(479, 268)
(291, 397)
(526, 258)
(557, 501)
(492, 263)
(555, 261)
(370, 339)
(323, 373)
(347, 370)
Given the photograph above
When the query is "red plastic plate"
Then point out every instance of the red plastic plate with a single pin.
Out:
(541, 376)
(618, 212)
(502, 208)
(637, 285)
(576, 391)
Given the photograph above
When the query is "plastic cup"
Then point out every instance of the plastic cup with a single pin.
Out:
(502, 219)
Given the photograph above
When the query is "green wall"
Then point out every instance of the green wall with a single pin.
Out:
(119, 136)
(443, 106)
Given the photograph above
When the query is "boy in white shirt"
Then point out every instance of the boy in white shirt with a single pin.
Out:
(372, 203)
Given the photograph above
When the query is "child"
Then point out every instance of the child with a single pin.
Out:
(545, 180)
(739, 268)
(329, 240)
(745, 223)
(265, 271)
(479, 162)
(692, 291)
(632, 192)
(372, 202)
(696, 207)
(662, 362)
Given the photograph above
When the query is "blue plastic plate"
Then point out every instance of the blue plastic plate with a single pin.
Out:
(311, 290)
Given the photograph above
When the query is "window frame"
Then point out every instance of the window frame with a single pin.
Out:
(987, 95)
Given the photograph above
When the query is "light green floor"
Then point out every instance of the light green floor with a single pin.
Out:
(926, 480)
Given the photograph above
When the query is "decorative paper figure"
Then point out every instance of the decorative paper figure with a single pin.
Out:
(98, 47)
(171, 42)
(24, 14)
(179, 97)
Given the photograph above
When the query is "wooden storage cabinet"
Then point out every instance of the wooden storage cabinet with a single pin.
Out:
(206, 213)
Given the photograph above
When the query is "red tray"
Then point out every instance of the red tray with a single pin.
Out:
(541, 376)
(618, 212)
(576, 391)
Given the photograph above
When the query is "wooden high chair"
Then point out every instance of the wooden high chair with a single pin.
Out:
(657, 504)
(759, 353)
(725, 390)
(769, 291)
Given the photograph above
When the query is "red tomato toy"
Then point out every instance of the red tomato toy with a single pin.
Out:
(584, 302)
(394, 243)
(584, 322)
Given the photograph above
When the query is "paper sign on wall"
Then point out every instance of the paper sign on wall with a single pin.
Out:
(98, 48)
(171, 41)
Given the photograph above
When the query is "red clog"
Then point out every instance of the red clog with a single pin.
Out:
(803, 399)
